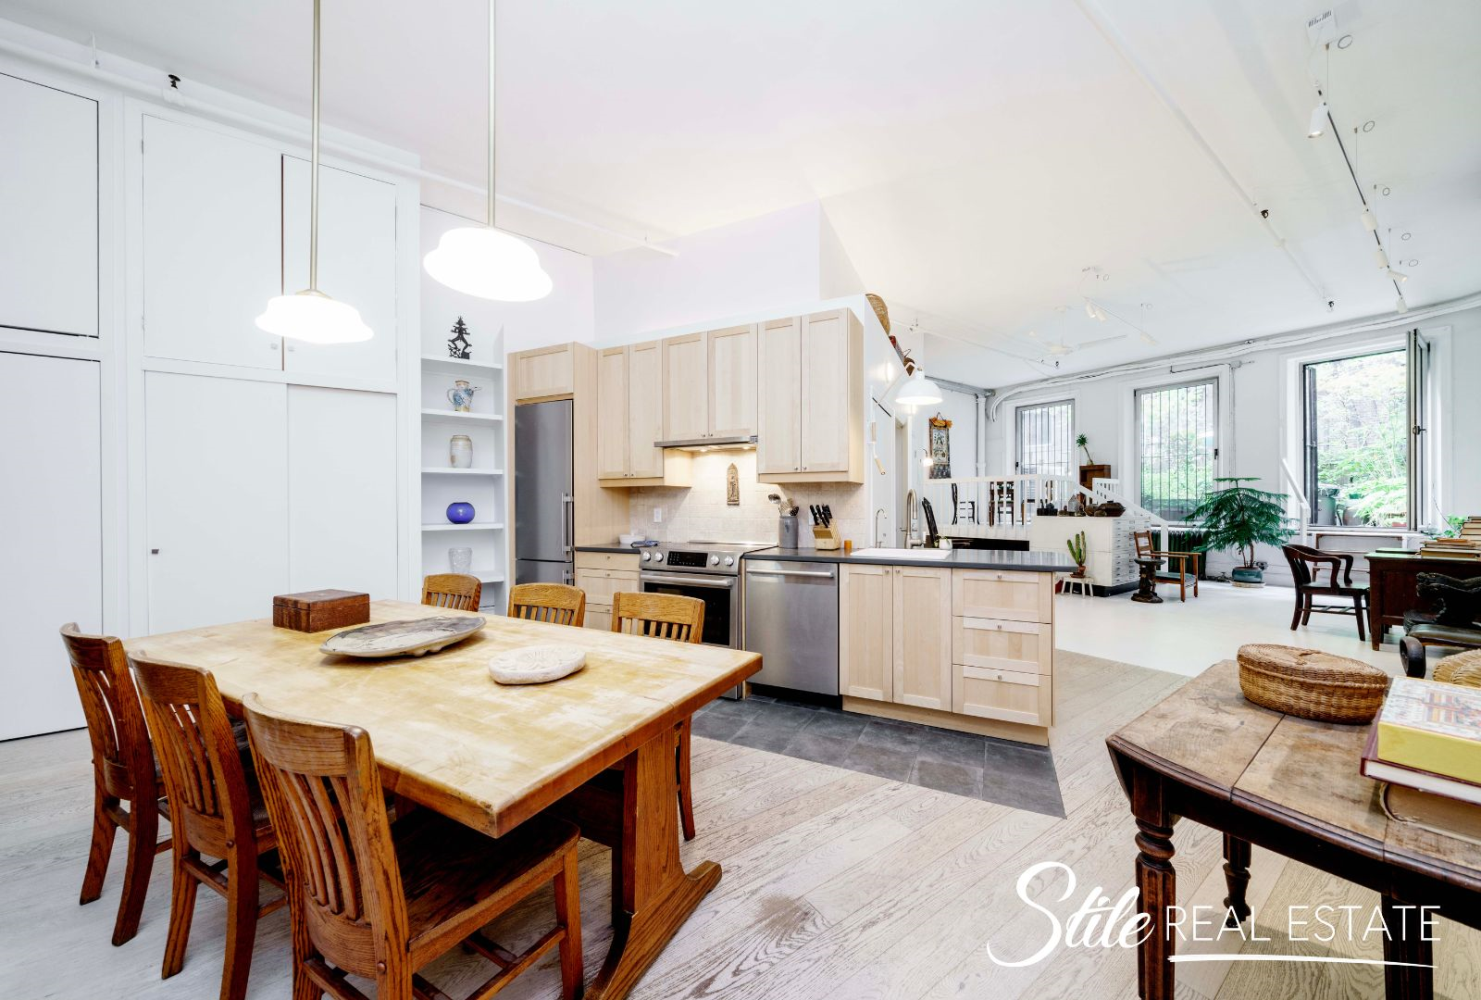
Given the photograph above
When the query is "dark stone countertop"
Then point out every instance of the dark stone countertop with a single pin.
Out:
(1030, 561)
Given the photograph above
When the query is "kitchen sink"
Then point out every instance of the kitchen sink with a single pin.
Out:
(925, 555)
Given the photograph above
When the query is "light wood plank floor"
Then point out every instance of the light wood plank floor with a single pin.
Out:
(836, 884)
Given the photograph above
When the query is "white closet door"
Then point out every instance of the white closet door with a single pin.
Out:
(212, 245)
(357, 265)
(217, 499)
(342, 490)
(49, 204)
(51, 546)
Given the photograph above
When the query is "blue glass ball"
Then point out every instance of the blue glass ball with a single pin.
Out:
(460, 512)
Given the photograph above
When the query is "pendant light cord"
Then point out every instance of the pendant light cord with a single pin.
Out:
(314, 168)
(493, 23)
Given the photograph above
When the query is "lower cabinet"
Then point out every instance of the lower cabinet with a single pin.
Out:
(600, 575)
(895, 635)
(866, 648)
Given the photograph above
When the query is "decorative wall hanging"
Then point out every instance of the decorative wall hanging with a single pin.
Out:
(458, 345)
(732, 486)
(940, 448)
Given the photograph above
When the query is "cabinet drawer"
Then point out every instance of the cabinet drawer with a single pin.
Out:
(1025, 597)
(999, 644)
(599, 618)
(601, 584)
(1008, 695)
(607, 560)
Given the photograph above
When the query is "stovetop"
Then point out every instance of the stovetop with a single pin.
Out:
(700, 556)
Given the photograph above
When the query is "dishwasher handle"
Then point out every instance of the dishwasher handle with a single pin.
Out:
(816, 574)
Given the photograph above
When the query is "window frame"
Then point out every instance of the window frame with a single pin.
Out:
(1045, 404)
(1216, 421)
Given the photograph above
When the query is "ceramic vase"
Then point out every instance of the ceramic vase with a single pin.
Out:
(460, 512)
(460, 451)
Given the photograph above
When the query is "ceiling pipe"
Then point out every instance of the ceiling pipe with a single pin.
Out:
(168, 94)
(1113, 37)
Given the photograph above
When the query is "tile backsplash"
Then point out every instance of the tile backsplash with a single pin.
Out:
(700, 511)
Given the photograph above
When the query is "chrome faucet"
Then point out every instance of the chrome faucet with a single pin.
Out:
(877, 539)
(909, 526)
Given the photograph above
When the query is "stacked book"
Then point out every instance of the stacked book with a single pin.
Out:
(1425, 746)
(1464, 547)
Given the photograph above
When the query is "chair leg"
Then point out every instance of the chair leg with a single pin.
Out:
(304, 986)
(182, 908)
(1360, 612)
(568, 915)
(686, 793)
(143, 832)
(1296, 615)
(241, 924)
(100, 849)
(1306, 615)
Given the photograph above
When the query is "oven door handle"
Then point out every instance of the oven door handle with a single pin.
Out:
(689, 580)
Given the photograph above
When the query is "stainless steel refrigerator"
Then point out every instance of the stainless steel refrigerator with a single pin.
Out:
(544, 527)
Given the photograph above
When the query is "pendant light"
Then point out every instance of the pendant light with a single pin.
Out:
(310, 315)
(919, 391)
(482, 261)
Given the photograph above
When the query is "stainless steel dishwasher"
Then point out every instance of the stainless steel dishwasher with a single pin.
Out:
(792, 621)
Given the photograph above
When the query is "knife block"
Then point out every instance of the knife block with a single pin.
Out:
(826, 538)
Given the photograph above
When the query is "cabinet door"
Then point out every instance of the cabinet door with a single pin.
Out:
(49, 201)
(865, 633)
(543, 373)
(342, 490)
(51, 539)
(825, 387)
(1015, 596)
(645, 409)
(922, 632)
(686, 410)
(612, 395)
(213, 240)
(357, 265)
(779, 397)
(732, 366)
(216, 498)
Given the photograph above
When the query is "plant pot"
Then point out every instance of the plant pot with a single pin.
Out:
(1079, 573)
(1247, 576)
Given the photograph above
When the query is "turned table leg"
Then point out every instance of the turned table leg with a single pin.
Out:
(1236, 879)
(1405, 943)
(1157, 883)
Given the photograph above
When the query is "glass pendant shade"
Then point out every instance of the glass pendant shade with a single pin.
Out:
(488, 264)
(313, 317)
(919, 391)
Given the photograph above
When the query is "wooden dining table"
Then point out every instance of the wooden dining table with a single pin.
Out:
(597, 746)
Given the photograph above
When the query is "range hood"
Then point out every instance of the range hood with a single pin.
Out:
(709, 443)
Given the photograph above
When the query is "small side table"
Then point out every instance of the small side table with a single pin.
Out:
(1146, 592)
(1079, 583)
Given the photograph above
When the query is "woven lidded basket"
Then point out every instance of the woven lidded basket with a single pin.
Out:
(1460, 668)
(1311, 684)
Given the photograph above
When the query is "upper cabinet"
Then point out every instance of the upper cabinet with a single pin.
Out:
(630, 420)
(357, 265)
(49, 201)
(709, 385)
(542, 373)
(810, 400)
(213, 245)
(686, 407)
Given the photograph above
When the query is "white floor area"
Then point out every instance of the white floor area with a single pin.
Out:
(1187, 638)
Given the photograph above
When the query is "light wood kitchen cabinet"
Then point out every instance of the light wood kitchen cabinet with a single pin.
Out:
(630, 420)
(732, 381)
(542, 373)
(866, 645)
(1015, 596)
(810, 401)
(922, 631)
(686, 406)
(600, 575)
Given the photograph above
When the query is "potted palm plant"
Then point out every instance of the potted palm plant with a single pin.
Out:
(1239, 517)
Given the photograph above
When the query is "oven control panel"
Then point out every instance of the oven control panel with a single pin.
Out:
(692, 560)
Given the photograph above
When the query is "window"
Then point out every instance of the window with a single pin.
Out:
(1177, 446)
(1046, 439)
(1357, 440)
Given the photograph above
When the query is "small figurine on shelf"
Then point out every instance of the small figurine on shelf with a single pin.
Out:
(458, 344)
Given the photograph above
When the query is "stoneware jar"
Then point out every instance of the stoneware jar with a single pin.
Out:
(460, 512)
(460, 451)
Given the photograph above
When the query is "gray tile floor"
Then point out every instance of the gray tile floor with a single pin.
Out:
(978, 767)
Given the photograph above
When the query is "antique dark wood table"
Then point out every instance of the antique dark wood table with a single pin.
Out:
(1393, 588)
(1292, 786)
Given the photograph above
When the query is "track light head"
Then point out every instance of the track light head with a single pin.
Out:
(1090, 309)
(1370, 221)
(1396, 276)
(1401, 305)
(1318, 121)
(1382, 259)
(1148, 339)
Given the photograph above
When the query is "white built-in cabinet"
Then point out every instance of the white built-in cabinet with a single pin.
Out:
(259, 488)
(48, 209)
(50, 534)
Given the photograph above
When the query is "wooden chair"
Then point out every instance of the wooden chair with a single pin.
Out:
(218, 811)
(666, 616)
(373, 899)
(1144, 550)
(452, 590)
(555, 603)
(123, 773)
(1306, 563)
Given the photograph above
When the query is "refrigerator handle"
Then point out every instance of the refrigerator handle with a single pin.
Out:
(568, 524)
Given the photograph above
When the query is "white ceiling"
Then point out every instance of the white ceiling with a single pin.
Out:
(974, 156)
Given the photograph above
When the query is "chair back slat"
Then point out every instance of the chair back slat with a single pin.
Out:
(1143, 541)
(662, 616)
(122, 757)
(324, 795)
(554, 603)
(452, 590)
(197, 753)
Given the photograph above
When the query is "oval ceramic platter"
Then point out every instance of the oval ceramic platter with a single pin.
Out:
(416, 637)
(536, 664)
